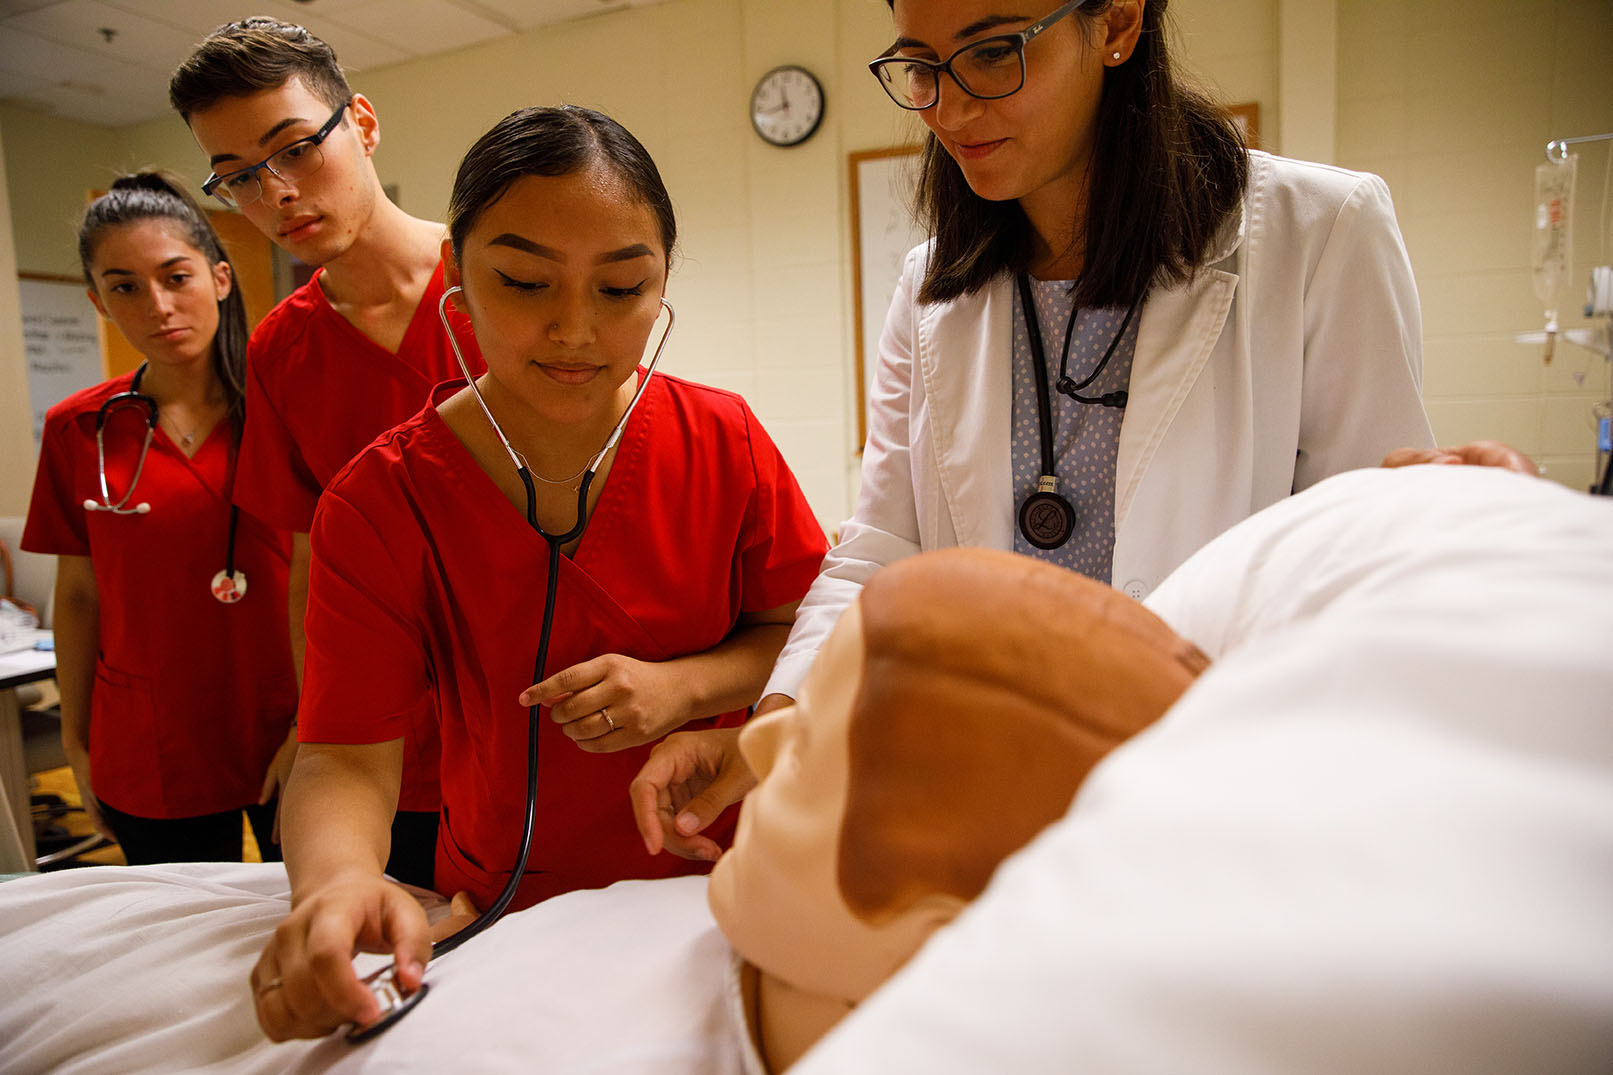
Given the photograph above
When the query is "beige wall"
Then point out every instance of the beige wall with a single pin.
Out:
(16, 416)
(764, 287)
(1455, 110)
(50, 164)
(1232, 48)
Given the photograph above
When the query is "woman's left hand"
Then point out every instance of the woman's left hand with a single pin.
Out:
(274, 781)
(613, 702)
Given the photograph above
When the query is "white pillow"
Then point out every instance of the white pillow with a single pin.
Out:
(1377, 836)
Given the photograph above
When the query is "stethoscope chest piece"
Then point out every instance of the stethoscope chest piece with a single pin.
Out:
(1045, 518)
(229, 586)
(394, 1004)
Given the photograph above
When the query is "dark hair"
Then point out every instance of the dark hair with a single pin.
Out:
(159, 196)
(259, 53)
(553, 142)
(1168, 169)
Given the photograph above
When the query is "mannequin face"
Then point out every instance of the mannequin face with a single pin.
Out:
(776, 894)
(926, 745)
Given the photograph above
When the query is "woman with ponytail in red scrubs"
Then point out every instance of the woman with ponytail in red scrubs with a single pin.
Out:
(177, 693)
(429, 578)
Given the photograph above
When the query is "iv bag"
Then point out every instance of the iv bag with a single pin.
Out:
(1553, 255)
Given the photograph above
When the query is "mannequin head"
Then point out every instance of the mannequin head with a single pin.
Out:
(952, 715)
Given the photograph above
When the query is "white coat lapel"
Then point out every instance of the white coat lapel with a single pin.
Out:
(964, 354)
(1179, 328)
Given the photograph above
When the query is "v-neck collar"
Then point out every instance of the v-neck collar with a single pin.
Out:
(422, 322)
(628, 462)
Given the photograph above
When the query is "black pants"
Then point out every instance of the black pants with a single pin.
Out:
(217, 838)
(208, 838)
(414, 847)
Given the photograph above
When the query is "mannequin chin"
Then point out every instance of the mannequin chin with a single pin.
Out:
(952, 714)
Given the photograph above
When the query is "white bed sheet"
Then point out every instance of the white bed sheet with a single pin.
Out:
(145, 969)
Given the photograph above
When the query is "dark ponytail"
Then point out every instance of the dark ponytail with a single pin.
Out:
(160, 196)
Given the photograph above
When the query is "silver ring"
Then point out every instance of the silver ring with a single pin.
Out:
(604, 711)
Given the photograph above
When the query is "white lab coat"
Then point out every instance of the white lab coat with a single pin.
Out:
(1293, 354)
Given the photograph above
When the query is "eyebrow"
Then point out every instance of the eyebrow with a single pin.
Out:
(268, 136)
(990, 22)
(510, 239)
(130, 272)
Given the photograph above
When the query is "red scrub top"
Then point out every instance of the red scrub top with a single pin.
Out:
(427, 590)
(192, 697)
(317, 391)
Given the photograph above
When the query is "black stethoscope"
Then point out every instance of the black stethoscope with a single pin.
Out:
(229, 585)
(382, 983)
(1046, 518)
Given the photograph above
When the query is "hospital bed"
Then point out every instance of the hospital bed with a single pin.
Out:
(1377, 835)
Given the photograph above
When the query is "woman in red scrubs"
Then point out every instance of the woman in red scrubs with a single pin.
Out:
(177, 692)
(428, 580)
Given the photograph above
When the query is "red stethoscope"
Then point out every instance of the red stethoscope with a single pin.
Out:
(229, 585)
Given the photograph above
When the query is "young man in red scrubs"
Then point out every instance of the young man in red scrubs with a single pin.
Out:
(354, 351)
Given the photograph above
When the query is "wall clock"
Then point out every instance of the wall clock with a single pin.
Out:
(786, 107)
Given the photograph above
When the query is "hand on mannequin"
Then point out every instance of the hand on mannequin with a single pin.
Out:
(1479, 453)
(931, 738)
(689, 780)
(645, 700)
(304, 984)
(462, 911)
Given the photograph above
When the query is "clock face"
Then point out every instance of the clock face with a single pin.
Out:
(787, 106)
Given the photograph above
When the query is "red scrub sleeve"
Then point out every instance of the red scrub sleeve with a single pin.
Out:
(365, 671)
(271, 479)
(57, 522)
(781, 545)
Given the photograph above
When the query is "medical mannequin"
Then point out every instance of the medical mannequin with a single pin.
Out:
(950, 717)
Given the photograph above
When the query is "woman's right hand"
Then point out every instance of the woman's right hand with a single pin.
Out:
(690, 778)
(304, 984)
(78, 759)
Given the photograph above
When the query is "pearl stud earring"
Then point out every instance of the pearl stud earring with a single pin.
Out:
(1117, 55)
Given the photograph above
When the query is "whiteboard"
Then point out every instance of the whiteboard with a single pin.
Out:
(883, 231)
(61, 335)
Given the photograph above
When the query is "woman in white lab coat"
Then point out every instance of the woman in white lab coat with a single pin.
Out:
(1128, 333)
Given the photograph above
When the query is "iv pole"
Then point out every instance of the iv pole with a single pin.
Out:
(1599, 338)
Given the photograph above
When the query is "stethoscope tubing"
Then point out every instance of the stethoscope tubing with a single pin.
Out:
(152, 410)
(147, 404)
(545, 632)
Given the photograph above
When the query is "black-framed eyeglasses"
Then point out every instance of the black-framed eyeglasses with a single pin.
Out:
(298, 160)
(990, 68)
